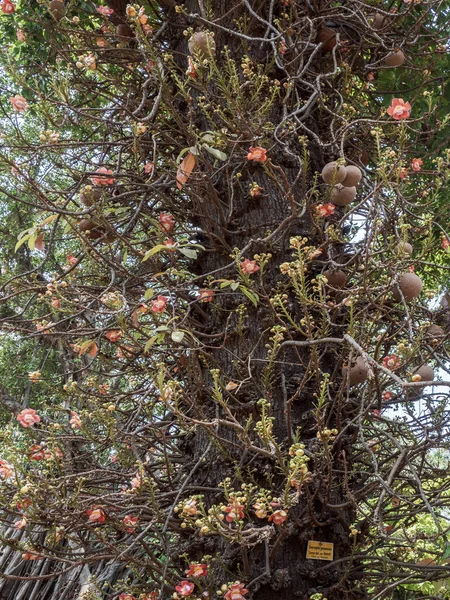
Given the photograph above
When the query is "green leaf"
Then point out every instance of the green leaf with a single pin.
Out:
(23, 239)
(32, 240)
(49, 219)
(234, 286)
(254, 298)
(150, 342)
(189, 252)
(153, 251)
(177, 336)
(149, 294)
(216, 153)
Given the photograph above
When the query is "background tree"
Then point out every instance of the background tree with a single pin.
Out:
(224, 249)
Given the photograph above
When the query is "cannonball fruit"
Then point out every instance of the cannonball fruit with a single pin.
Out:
(86, 225)
(353, 176)
(395, 59)
(336, 279)
(327, 36)
(404, 248)
(357, 372)
(89, 196)
(124, 31)
(57, 9)
(425, 372)
(341, 196)
(334, 173)
(202, 43)
(410, 285)
(434, 333)
(377, 21)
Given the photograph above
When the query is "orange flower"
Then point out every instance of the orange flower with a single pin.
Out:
(125, 596)
(403, 173)
(114, 335)
(416, 164)
(36, 452)
(205, 295)
(102, 178)
(28, 417)
(325, 210)
(235, 511)
(96, 515)
(391, 362)
(257, 154)
(19, 103)
(130, 522)
(249, 266)
(148, 167)
(399, 109)
(197, 570)
(278, 517)
(31, 556)
(386, 396)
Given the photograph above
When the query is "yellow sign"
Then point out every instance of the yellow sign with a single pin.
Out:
(320, 550)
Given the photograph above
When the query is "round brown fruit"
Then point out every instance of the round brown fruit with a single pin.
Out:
(333, 173)
(327, 36)
(357, 372)
(434, 333)
(377, 21)
(336, 279)
(395, 59)
(410, 285)
(342, 196)
(202, 43)
(90, 196)
(57, 9)
(353, 176)
(425, 372)
(404, 248)
(124, 31)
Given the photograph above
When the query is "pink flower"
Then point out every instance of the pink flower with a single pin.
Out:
(20, 524)
(148, 167)
(257, 154)
(159, 304)
(386, 396)
(72, 260)
(166, 222)
(74, 421)
(416, 164)
(8, 7)
(235, 511)
(5, 469)
(185, 588)
(205, 295)
(370, 76)
(96, 515)
(283, 47)
(236, 592)
(20, 35)
(136, 482)
(130, 523)
(102, 178)
(249, 266)
(28, 417)
(325, 210)
(391, 362)
(376, 414)
(403, 173)
(19, 103)
(278, 517)
(125, 596)
(113, 457)
(197, 570)
(445, 243)
(399, 109)
(105, 10)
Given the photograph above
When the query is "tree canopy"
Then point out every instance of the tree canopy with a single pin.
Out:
(224, 301)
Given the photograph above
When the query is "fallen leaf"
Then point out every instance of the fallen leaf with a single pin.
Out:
(185, 169)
